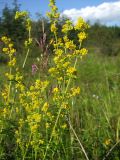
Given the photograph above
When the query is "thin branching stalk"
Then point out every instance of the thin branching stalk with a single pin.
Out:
(83, 150)
(28, 50)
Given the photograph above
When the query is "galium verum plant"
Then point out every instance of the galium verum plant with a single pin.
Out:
(40, 120)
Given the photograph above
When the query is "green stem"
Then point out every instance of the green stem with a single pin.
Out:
(26, 58)
(52, 132)
(9, 89)
(83, 150)
(24, 155)
(29, 37)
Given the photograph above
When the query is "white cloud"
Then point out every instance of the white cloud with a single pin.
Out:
(107, 13)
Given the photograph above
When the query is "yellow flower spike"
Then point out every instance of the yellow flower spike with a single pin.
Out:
(71, 70)
(54, 8)
(45, 107)
(70, 45)
(52, 70)
(18, 77)
(12, 62)
(75, 91)
(65, 105)
(6, 50)
(9, 76)
(57, 15)
(6, 40)
(28, 24)
(21, 14)
(81, 24)
(36, 117)
(83, 51)
(65, 38)
(53, 15)
(33, 128)
(10, 45)
(12, 51)
(53, 28)
(82, 36)
(45, 83)
(55, 90)
(59, 52)
(66, 64)
(67, 26)
(28, 42)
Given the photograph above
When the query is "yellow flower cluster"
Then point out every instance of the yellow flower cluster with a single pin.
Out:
(28, 42)
(53, 14)
(5, 93)
(70, 45)
(82, 36)
(9, 48)
(40, 108)
(21, 14)
(24, 14)
(53, 28)
(75, 91)
(81, 24)
(71, 71)
(83, 51)
(45, 107)
(55, 90)
(12, 62)
(67, 26)
(64, 71)
(28, 24)
(6, 40)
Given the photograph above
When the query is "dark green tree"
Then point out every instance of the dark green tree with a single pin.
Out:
(15, 29)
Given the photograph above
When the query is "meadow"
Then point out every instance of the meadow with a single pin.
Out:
(66, 110)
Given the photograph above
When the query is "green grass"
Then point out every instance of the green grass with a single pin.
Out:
(96, 114)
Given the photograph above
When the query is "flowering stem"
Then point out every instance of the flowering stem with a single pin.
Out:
(52, 132)
(9, 82)
(74, 67)
(25, 152)
(26, 58)
(70, 77)
(27, 50)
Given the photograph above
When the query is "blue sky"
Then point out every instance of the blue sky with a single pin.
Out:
(41, 6)
(73, 8)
